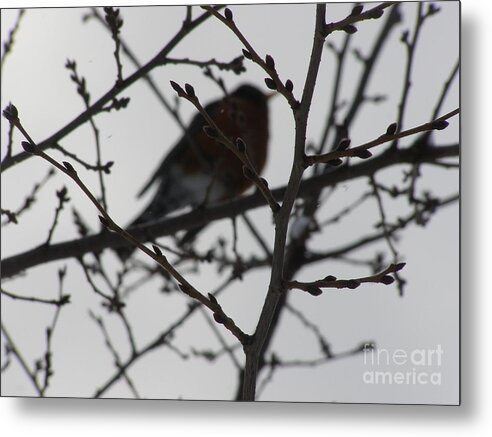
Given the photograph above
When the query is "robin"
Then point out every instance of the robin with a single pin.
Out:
(198, 170)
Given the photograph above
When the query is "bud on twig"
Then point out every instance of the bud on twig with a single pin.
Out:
(210, 132)
(313, 290)
(329, 278)
(219, 319)
(270, 83)
(335, 162)
(69, 167)
(439, 124)
(29, 148)
(270, 63)
(353, 283)
(248, 174)
(362, 153)
(247, 54)
(356, 10)
(107, 168)
(11, 113)
(398, 267)
(104, 221)
(392, 128)
(177, 88)
(212, 299)
(387, 280)
(241, 145)
(289, 85)
(228, 14)
(377, 13)
(189, 90)
(157, 250)
(350, 28)
(344, 144)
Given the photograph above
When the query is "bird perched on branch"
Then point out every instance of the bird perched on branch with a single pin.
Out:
(199, 170)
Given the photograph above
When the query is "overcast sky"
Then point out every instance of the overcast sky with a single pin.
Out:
(426, 318)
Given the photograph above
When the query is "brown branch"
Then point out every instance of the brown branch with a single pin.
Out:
(402, 223)
(11, 114)
(115, 23)
(13, 349)
(114, 352)
(249, 52)
(170, 225)
(64, 299)
(410, 48)
(370, 63)
(362, 151)
(7, 45)
(347, 24)
(238, 147)
(12, 216)
(152, 85)
(315, 288)
(274, 294)
(235, 65)
(160, 340)
(98, 106)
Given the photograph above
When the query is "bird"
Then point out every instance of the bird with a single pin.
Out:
(199, 170)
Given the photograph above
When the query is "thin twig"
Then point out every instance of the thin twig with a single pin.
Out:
(160, 340)
(117, 360)
(315, 288)
(7, 45)
(62, 199)
(239, 148)
(77, 247)
(257, 236)
(436, 124)
(107, 221)
(29, 200)
(97, 106)
(64, 299)
(13, 348)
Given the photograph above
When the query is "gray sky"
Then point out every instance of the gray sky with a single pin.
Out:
(35, 80)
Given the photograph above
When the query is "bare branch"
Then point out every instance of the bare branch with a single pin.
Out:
(362, 151)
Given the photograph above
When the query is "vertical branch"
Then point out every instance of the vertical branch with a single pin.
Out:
(82, 91)
(384, 223)
(47, 366)
(10, 137)
(410, 46)
(115, 23)
(445, 89)
(388, 234)
(7, 45)
(275, 289)
(62, 199)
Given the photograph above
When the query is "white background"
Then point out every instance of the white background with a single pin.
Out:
(129, 417)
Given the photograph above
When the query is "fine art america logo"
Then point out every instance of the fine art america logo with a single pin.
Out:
(416, 367)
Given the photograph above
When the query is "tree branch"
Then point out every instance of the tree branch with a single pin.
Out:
(98, 106)
(169, 226)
